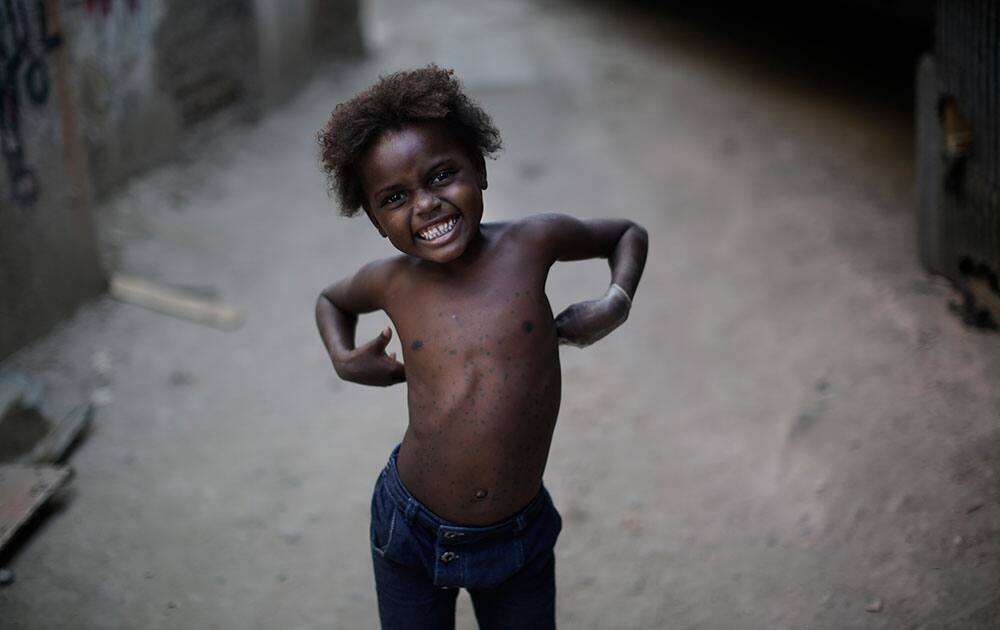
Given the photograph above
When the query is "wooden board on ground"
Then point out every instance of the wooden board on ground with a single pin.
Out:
(170, 301)
(24, 489)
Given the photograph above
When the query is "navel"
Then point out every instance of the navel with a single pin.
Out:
(481, 494)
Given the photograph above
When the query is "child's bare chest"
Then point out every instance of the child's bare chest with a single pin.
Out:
(482, 377)
(492, 316)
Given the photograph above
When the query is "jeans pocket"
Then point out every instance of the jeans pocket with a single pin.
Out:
(383, 517)
(382, 532)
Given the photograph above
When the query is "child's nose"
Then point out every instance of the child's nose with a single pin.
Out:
(426, 203)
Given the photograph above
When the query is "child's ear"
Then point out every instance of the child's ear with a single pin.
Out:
(480, 164)
(371, 217)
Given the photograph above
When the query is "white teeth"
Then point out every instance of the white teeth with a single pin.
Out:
(440, 229)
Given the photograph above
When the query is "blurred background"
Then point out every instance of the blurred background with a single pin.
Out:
(798, 427)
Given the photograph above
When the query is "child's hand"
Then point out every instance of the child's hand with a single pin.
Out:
(370, 365)
(583, 323)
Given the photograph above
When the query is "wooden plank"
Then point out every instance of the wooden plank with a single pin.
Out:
(173, 302)
(24, 489)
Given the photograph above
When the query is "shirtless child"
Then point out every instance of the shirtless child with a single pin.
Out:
(461, 501)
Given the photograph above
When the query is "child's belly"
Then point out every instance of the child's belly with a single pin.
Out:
(481, 422)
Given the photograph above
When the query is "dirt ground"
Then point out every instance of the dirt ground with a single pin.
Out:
(790, 430)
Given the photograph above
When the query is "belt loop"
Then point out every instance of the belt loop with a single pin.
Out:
(520, 522)
(411, 510)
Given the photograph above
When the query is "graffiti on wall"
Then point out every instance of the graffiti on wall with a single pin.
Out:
(104, 6)
(25, 41)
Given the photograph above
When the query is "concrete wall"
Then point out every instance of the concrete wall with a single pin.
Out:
(94, 91)
(287, 58)
(48, 257)
(127, 121)
(148, 70)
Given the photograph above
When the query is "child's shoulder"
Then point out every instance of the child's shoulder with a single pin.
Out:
(536, 230)
(537, 225)
(382, 270)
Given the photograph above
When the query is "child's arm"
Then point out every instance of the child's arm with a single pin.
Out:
(623, 243)
(337, 311)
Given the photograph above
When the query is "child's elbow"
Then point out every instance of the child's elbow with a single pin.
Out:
(639, 232)
(324, 307)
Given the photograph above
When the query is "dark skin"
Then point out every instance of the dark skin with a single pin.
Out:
(480, 343)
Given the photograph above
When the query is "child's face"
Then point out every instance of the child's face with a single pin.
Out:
(423, 191)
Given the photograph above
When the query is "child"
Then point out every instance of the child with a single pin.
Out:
(461, 501)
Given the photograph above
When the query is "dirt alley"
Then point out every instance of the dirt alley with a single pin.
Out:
(790, 428)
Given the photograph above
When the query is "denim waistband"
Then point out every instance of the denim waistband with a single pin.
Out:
(417, 512)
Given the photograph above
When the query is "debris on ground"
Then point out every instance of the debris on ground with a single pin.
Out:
(170, 301)
(29, 436)
(55, 447)
(874, 606)
(22, 424)
(32, 446)
(23, 490)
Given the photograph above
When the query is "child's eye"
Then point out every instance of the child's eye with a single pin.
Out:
(443, 176)
(394, 198)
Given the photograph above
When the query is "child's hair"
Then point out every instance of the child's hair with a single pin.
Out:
(430, 93)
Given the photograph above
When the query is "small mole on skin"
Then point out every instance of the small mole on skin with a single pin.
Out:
(451, 352)
(417, 345)
(527, 327)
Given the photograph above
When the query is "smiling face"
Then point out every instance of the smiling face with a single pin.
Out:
(423, 191)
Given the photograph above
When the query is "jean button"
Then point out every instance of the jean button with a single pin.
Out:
(448, 556)
(451, 535)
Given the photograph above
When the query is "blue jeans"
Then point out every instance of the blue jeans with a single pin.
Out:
(421, 560)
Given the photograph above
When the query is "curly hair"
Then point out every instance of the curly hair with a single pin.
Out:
(403, 98)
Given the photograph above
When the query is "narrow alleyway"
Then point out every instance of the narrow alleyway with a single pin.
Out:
(790, 429)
